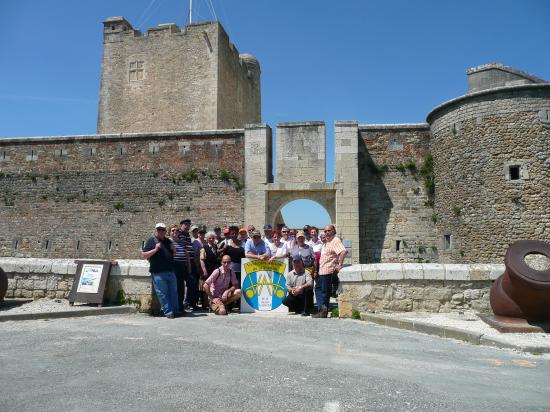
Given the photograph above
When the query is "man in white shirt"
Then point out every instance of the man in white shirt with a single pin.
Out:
(299, 285)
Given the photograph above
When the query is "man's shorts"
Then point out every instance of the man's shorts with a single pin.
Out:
(216, 305)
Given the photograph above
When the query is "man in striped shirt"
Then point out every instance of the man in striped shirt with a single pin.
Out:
(332, 259)
(188, 257)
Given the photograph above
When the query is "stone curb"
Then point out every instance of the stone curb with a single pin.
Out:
(449, 332)
(114, 310)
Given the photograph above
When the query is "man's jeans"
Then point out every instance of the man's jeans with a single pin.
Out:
(166, 288)
(322, 290)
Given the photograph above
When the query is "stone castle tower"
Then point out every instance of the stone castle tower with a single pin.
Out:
(172, 80)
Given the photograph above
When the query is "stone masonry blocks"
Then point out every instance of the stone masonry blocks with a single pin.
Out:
(346, 174)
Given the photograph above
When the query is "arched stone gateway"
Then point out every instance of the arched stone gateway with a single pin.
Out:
(277, 199)
(300, 174)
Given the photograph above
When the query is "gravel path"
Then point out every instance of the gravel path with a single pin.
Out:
(44, 305)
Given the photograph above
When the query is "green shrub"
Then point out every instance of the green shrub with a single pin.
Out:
(411, 166)
(426, 170)
(355, 314)
(378, 169)
(190, 175)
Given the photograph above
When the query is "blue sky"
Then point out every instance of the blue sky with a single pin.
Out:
(371, 61)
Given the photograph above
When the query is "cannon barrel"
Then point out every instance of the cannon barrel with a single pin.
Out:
(522, 291)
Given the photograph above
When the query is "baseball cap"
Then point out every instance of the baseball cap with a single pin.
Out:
(185, 221)
(226, 230)
(256, 233)
(160, 226)
(295, 258)
(266, 227)
(300, 233)
(242, 230)
(194, 227)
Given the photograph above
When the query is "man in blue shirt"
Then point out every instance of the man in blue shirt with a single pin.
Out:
(255, 248)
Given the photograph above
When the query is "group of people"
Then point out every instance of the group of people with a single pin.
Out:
(189, 265)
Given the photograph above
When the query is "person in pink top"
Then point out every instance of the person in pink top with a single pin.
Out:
(222, 287)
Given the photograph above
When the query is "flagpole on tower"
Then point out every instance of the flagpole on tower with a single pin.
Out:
(190, 11)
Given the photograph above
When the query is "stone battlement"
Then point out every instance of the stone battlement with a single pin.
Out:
(175, 79)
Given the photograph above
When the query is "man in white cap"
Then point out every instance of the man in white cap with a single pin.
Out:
(160, 250)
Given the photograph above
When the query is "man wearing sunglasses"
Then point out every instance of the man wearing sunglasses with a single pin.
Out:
(222, 288)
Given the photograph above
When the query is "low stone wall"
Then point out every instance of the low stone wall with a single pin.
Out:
(129, 280)
(409, 287)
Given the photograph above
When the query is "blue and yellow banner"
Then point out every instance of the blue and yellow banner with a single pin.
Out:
(263, 283)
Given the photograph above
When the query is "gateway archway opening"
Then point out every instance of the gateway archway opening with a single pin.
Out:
(298, 213)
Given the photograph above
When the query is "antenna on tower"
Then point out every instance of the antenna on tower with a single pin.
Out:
(190, 11)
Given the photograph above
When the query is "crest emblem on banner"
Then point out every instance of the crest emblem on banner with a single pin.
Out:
(263, 285)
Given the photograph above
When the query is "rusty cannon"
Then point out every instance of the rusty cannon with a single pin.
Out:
(520, 297)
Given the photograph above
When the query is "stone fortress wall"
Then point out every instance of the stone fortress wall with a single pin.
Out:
(170, 79)
(491, 151)
(99, 196)
(396, 222)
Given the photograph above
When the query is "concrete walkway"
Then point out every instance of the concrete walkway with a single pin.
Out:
(248, 362)
(468, 328)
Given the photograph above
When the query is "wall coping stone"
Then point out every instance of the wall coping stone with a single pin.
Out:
(397, 126)
(420, 271)
(118, 136)
(494, 91)
(301, 124)
(344, 123)
(504, 68)
(125, 267)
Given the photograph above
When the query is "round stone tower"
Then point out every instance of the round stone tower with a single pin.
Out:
(491, 163)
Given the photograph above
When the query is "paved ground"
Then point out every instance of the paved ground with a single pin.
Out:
(246, 362)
